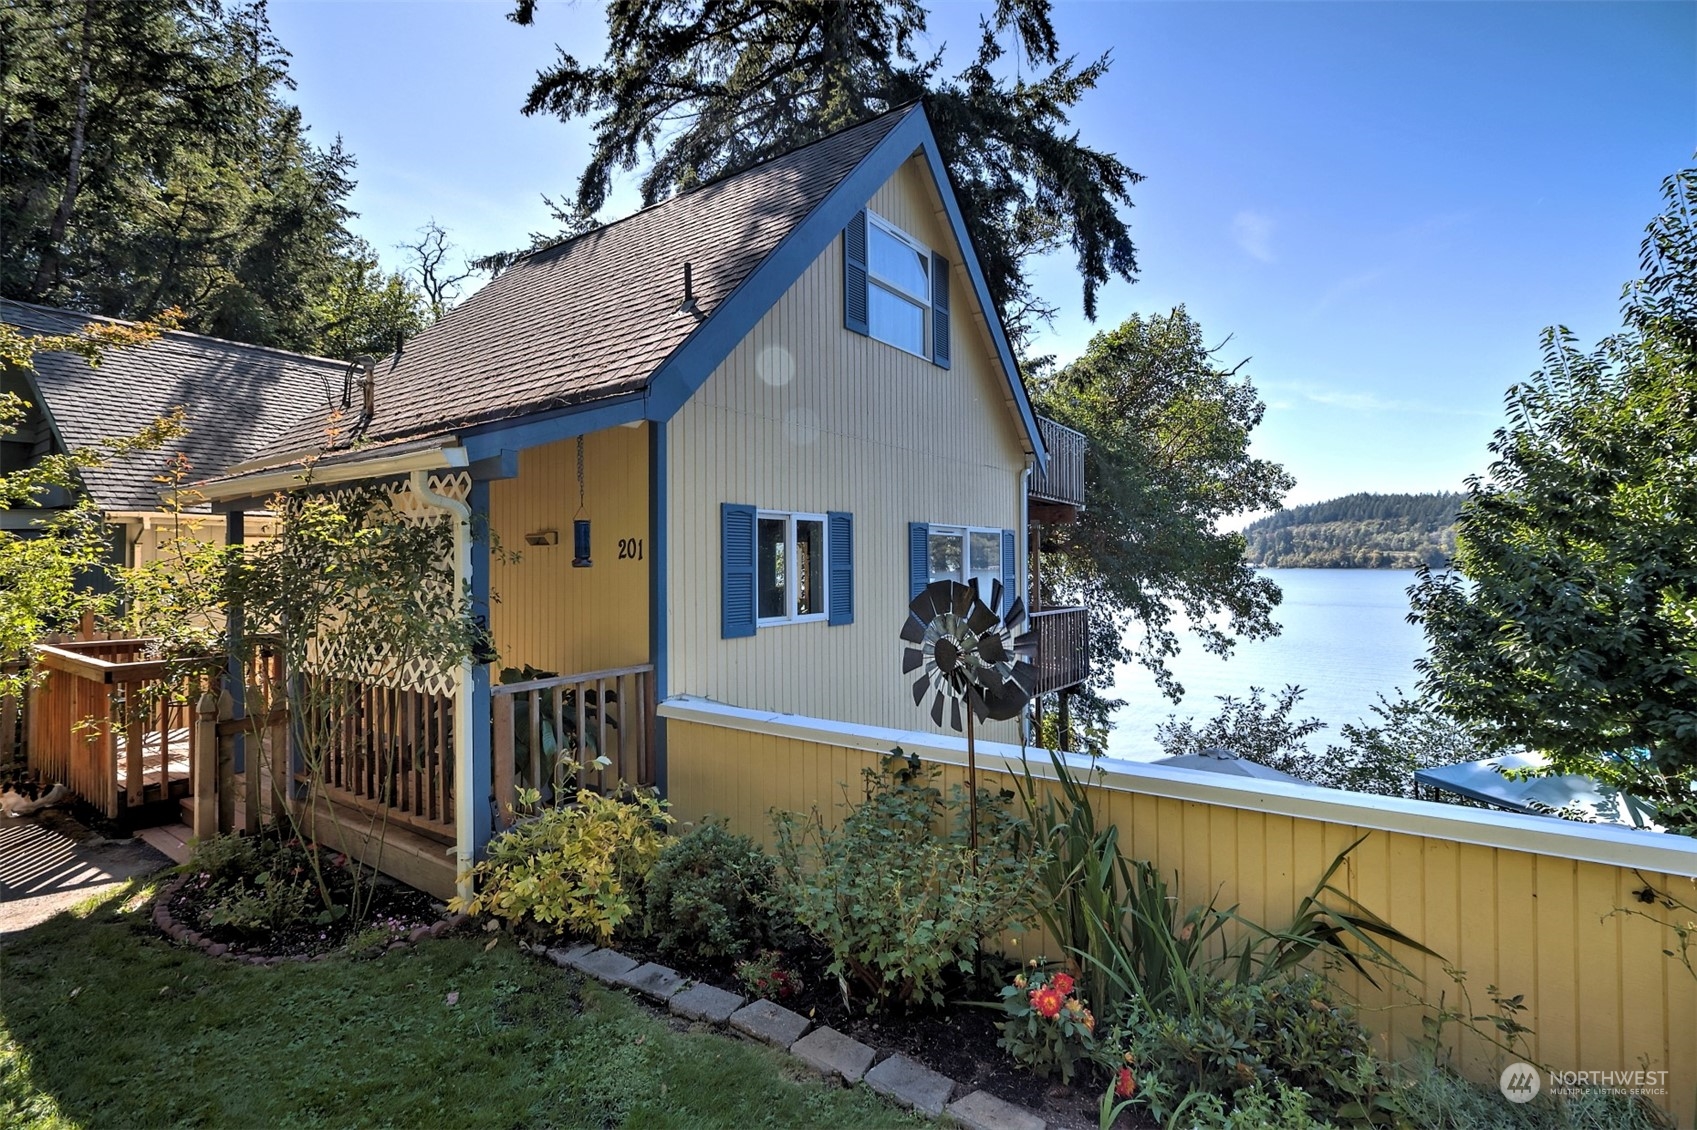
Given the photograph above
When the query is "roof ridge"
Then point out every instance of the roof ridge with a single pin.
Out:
(894, 111)
(87, 316)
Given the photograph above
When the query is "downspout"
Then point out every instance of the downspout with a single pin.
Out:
(465, 789)
(1024, 557)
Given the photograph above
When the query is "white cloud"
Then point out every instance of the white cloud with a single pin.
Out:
(1254, 233)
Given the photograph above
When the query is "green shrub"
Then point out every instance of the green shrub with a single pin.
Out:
(1429, 1094)
(1045, 1026)
(1281, 1031)
(257, 885)
(710, 897)
(578, 867)
(896, 892)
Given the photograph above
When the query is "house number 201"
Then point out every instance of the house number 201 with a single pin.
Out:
(630, 549)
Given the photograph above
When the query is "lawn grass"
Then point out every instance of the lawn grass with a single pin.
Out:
(105, 1024)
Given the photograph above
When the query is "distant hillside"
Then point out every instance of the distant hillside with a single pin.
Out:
(1358, 531)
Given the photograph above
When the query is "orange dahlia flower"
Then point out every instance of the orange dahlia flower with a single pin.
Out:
(1047, 1001)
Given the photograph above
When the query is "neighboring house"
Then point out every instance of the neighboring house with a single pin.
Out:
(796, 406)
(235, 398)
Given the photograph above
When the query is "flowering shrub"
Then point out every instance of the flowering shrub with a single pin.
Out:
(1047, 1027)
(579, 867)
(765, 977)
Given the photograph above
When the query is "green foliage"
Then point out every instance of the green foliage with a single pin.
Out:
(702, 90)
(1045, 1027)
(1283, 1030)
(148, 158)
(896, 892)
(255, 885)
(1167, 427)
(709, 897)
(1569, 623)
(1428, 1093)
(1380, 755)
(766, 977)
(578, 868)
(1357, 531)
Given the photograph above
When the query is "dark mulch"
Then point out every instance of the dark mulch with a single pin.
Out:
(394, 910)
(958, 1040)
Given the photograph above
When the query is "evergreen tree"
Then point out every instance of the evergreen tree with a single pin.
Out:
(703, 89)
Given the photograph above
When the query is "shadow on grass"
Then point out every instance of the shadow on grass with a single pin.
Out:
(104, 1023)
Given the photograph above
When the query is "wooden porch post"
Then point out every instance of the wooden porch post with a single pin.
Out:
(476, 780)
(235, 681)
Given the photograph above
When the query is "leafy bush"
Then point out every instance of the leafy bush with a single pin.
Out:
(1428, 1093)
(896, 893)
(579, 867)
(257, 885)
(710, 897)
(1283, 1031)
(1047, 1028)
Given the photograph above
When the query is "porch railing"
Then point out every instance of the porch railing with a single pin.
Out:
(1063, 482)
(114, 725)
(1063, 648)
(550, 733)
(388, 751)
(14, 723)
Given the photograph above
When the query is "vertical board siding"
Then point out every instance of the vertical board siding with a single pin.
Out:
(1600, 994)
(807, 416)
(544, 612)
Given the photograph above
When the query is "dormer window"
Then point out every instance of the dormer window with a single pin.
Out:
(899, 301)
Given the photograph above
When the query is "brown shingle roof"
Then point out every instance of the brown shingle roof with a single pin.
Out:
(238, 398)
(594, 318)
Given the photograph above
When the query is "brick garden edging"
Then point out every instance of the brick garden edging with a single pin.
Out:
(824, 1049)
(178, 932)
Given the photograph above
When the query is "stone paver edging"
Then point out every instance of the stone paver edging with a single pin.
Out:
(825, 1050)
(178, 932)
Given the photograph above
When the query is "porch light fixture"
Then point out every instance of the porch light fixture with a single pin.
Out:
(580, 524)
(543, 537)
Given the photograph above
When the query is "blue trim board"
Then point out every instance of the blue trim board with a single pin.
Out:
(689, 366)
(235, 678)
(482, 739)
(658, 627)
(502, 465)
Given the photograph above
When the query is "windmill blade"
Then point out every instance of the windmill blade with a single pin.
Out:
(964, 598)
(954, 712)
(991, 650)
(1016, 613)
(920, 686)
(913, 629)
(995, 600)
(1025, 645)
(937, 711)
(912, 660)
(980, 619)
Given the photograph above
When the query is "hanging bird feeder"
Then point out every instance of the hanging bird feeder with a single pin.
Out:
(580, 524)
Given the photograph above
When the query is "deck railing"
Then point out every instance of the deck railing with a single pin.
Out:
(115, 726)
(1063, 482)
(14, 723)
(388, 751)
(550, 733)
(1063, 648)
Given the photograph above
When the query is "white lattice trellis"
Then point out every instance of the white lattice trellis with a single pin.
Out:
(419, 674)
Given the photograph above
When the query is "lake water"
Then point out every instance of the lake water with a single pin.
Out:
(1345, 640)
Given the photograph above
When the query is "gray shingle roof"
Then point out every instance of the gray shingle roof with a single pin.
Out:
(238, 398)
(594, 318)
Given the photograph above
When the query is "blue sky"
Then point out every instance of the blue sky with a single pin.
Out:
(1381, 203)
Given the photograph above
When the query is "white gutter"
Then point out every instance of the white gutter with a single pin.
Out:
(324, 472)
(465, 789)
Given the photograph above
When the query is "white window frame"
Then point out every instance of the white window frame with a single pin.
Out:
(923, 301)
(965, 534)
(792, 589)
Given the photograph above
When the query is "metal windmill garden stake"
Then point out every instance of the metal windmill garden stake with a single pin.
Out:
(965, 654)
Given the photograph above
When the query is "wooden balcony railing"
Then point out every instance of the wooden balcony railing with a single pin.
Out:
(1063, 648)
(114, 725)
(550, 732)
(1057, 494)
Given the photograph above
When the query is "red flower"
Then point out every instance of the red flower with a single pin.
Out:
(1062, 983)
(1125, 1086)
(1047, 1002)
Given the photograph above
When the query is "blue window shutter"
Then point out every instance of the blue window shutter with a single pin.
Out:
(854, 274)
(736, 565)
(918, 558)
(1010, 571)
(939, 310)
(839, 552)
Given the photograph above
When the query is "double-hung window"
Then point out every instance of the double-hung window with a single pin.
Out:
(898, 299)
(789, 567)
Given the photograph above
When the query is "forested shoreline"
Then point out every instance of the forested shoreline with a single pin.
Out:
(1357, 531)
